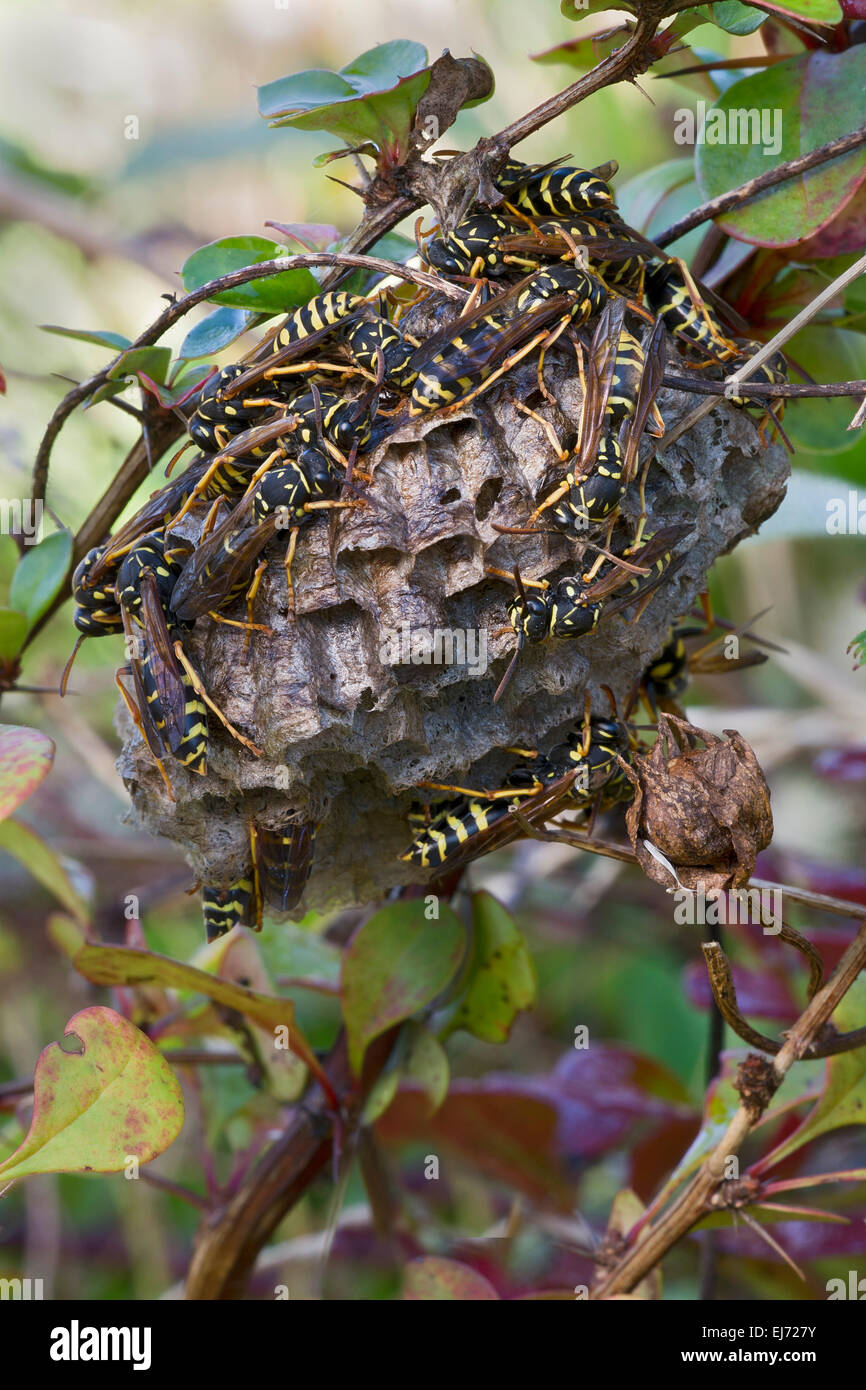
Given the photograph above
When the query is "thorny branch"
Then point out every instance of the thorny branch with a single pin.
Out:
(656, 1239)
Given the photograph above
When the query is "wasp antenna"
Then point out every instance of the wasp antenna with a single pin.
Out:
(68, 667)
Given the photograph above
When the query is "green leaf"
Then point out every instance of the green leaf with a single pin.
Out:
(39, 576)
(384, 65)
(105, 392)
(152, 360)
(796, 92)
(382, 1092)
(735, 18)
(95, 1109)
(396, 963)
(501, 980)
(373, 98)
(828, 354)
(26, 756)
(273, 294)
(13, 629)
(843, 1099)
(579, 9)
(427, 1064)
(215, 332)
(45, 866)
(816, 11)
(125, 965)
(583, 53)
(433, 1278)
(98, 335)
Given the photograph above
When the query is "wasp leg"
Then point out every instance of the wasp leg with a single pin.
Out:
(561, 454)
(502, 793)
(198, 687)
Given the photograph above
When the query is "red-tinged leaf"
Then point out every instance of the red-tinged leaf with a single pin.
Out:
(435, 1278)
(604, 1091)
(585, 52)
(396, 963)
(815, 11)
(26, 756)
(2, 383)
(841, 765)
(502, 1125)
(312, 236)
(759, 992)
(797, 90)
(842, 236)
(846, 881)
(170, 396)
(652, 1159)
(96, 1108)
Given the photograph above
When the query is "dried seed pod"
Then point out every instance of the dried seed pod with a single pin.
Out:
(706, 809)
(346, 723)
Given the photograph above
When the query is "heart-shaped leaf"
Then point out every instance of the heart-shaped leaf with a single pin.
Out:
(272, 294)
(95, 1109)
(40, 574)
(395, 964)
(26, 756)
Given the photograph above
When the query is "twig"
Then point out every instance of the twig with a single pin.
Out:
(766, 351)
(657, 1239)
(179, 307)
(176, 1189)
(701, 386)
(725, 202)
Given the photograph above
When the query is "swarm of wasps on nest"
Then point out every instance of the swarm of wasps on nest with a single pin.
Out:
(283, 438)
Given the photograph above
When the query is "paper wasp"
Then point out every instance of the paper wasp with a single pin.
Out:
(582, 771)
(669, 673)
(574, 605)
(485, 342)
(475, 245)
(280, 864)
(284, 498)
(557, 192)
(167, 708)
(616, 251)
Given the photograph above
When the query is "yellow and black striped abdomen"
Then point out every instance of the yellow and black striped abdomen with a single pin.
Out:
(327, 310)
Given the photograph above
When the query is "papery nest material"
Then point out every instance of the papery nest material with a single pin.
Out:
(706, 810)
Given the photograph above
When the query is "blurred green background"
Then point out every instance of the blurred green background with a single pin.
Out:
(93, 229)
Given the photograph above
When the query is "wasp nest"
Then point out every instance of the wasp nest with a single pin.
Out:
(346, 723)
